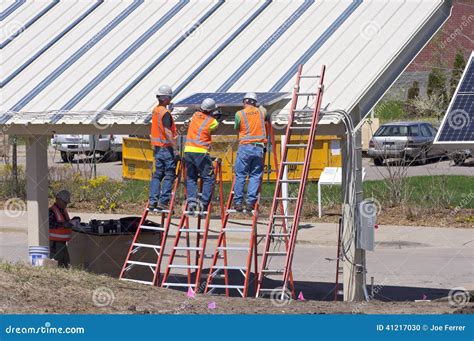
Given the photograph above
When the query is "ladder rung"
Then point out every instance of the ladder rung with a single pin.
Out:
(310, 76)
(134, 262)
(192, 230)
(187, 248)
(290, 181)
(273, 271)
(182, 266)
(286, 199)
(276, 253)
(267, 290)
(229, 267)
(151, 246)
(155, 210)
(292, 163)
(136, 281)
(233, 248)
(278, 216)
(223, 286)
(153, 228)
(305, 94)
(167, 284)
(195, 213)
(236, 230)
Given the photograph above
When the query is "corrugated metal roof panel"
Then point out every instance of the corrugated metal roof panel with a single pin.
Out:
(241, 46)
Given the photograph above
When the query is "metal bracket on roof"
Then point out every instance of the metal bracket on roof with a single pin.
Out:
(5, 118)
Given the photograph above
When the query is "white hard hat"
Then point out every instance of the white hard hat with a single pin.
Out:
(208, 104)
(164, 90)
(64, 195)
(251, 95)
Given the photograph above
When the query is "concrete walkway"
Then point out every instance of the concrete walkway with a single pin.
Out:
(403, 256)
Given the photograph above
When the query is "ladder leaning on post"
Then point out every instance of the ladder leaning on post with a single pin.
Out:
(133, 257)
(292, 219)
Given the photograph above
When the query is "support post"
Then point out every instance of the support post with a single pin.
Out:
(37, 190)
(354, 260)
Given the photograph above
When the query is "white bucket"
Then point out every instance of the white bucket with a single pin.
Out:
(37, 253)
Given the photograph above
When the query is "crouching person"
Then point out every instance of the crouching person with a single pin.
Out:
(60, 229)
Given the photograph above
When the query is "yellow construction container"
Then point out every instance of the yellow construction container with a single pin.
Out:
(138, 157)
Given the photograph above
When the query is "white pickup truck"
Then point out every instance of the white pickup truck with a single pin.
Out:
(109, 147)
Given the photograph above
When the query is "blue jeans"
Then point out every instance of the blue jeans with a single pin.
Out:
(249, 162)
(163, 178)
(199, 165)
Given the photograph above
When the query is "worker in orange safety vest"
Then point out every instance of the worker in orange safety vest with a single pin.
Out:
(163, 139)
(196, 155)
(250, 122)
(60, 229)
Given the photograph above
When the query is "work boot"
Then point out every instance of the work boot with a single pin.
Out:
(192, 207)
(249, 208)
(152, 206)
(162, 207)
(238, 207)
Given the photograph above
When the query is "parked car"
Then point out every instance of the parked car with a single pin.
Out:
(405, 141)
(109, 147)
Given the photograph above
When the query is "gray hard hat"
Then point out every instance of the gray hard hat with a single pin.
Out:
(251, 95)
(165, 90)
(64, 195)
(208, 104)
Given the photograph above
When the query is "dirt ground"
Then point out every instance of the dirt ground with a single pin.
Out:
(24, 289)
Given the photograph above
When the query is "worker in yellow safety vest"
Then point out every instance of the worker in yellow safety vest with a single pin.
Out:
(60, 229)
(196, 155)
(163, 139)
(250, 123)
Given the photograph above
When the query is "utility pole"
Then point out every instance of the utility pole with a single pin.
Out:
(354, 260)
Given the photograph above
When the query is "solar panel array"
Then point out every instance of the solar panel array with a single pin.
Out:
(458, 123)
(231, 99)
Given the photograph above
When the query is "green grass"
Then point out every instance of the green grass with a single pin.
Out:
(421, 191)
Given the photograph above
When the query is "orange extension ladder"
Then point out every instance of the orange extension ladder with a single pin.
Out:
(135, 256)
(201, 235)
(284, 224)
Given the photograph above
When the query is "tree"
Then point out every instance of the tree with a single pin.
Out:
(437, 85)
(458, 66)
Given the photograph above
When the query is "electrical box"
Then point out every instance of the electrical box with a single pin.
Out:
(366, 227)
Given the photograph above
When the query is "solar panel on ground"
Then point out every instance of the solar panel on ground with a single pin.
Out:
(231, 99)
(458, 123)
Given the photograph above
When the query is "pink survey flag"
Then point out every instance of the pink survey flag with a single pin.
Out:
(300, 296)
(191, 293)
